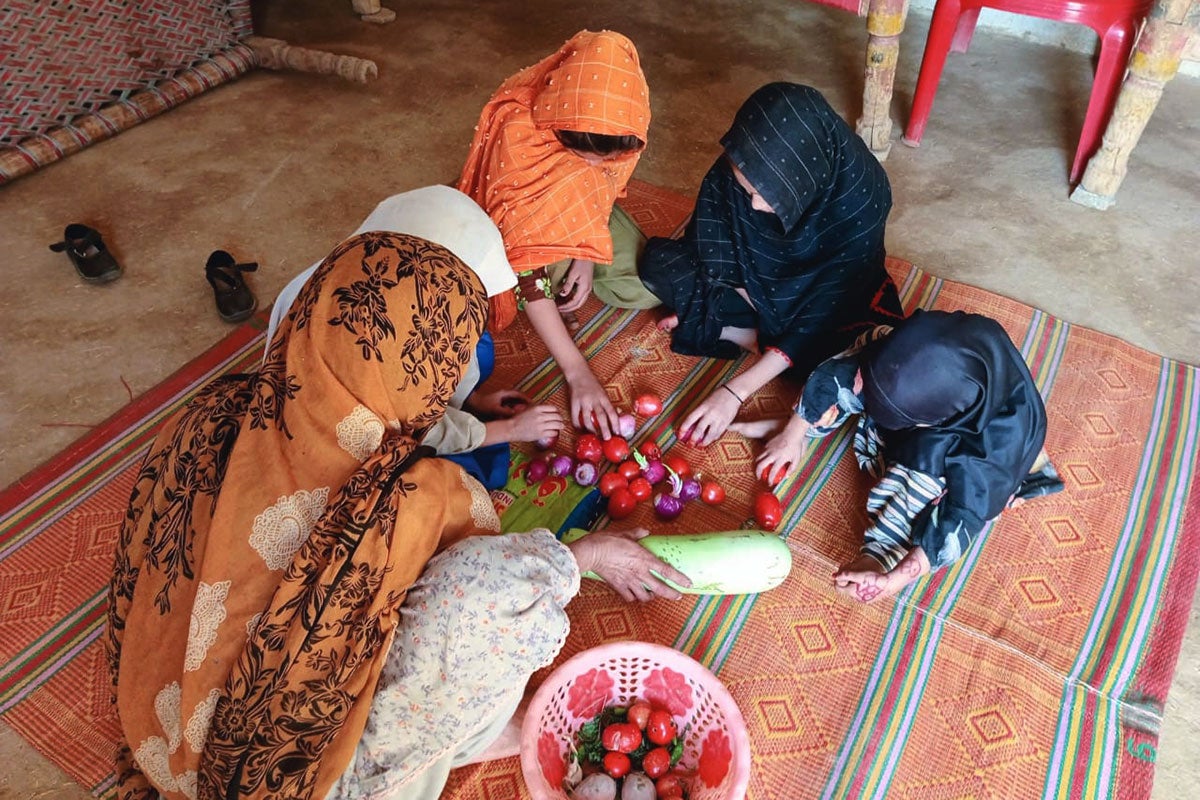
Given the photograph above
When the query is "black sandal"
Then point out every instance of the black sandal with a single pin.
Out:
(235, 301)
(87, 251)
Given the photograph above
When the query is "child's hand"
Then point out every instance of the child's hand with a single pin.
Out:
(576, 285)
(500, 404)
(783, 453)
(538, 422)
(709, 420)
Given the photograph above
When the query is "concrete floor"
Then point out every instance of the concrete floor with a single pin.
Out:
(278, 167)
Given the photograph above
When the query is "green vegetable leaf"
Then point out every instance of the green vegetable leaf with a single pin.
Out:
(676, 749)
(589, 750)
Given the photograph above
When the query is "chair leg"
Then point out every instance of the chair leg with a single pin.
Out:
(937, 46)
(1115, 47)
(964, 31)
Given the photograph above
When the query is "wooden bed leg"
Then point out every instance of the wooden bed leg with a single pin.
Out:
(885, 23)
(372, 11)
(278, 54)
(1155, 62)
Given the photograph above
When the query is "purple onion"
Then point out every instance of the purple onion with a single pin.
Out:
(667, 506)
(561, 465)
(536, 471)
(654, 471)
(547, 442)
(626, 425)
(690, 490)
(586, 473)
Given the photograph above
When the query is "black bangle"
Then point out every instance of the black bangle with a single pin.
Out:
(725, 386)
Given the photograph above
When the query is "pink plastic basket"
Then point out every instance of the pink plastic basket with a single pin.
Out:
(716, 745)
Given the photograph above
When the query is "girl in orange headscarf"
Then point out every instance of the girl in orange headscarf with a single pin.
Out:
(258, 600)
(554, 149)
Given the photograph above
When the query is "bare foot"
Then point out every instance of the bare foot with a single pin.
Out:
(668, 323)
(864, 579)
(758, 429)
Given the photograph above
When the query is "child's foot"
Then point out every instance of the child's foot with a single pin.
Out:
(865, 581)
(668, 323)
(758, 429)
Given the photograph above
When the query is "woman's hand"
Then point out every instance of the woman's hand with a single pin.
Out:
(500, 404)
(590, 407)
(576, 285)
(709, 420)
(626, 566)
(783, 452)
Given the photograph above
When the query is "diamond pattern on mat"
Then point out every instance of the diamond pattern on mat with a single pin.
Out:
(988, 725)
(814, 638)
(1083, 476)
(70, 58)
(1067, 537)
(1112, 379)
(1036, 593)
(778, 717)
(96, 531)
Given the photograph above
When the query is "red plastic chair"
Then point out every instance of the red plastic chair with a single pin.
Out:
(1115, 21)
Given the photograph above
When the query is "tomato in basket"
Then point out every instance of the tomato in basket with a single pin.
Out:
(660, 727)
(623, 737)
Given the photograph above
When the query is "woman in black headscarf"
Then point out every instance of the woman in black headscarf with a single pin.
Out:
(950, 421)
(783, 255)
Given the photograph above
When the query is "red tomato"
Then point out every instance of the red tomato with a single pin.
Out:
(767, 511)
(621, 504)
(629, 470)
(611, 481)
(641, 489)
(589, 448)
(650, 450)
(656, 763)
(616, 449)
(647, 405)
(669, 785)
(622, 737)
(660, 728)
(678, 465)
(711, 493)
(639, 713)
(616, 764)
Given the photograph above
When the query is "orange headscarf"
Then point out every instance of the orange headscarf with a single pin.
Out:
(276, 525)
(549, 203)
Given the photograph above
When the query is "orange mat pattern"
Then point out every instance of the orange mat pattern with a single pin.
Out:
(1036, 667)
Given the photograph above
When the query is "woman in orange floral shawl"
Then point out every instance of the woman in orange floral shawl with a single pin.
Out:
(278, 522)
(554, 149)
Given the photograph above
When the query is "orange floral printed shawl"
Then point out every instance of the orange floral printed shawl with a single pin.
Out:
(549, 203)
(276, 525)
